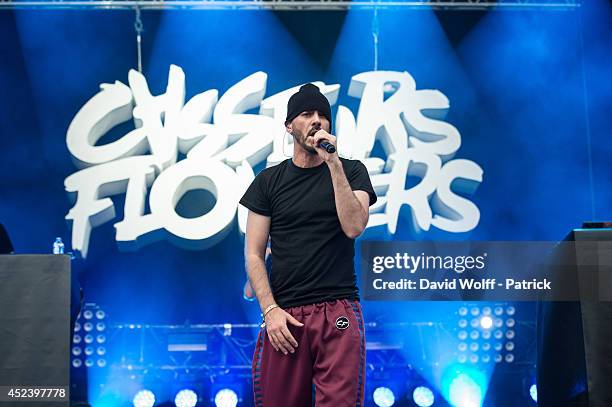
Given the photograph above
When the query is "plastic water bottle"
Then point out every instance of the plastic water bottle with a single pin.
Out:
(58, 246)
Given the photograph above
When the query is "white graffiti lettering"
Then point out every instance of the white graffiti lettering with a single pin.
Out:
(221, 144)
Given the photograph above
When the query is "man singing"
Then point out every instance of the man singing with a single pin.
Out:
(312, 206)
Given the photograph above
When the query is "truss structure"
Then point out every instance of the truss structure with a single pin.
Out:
(290, 4)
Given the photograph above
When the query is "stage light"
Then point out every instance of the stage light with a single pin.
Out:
(461, 358)
(462, 346)
(383, 397)
(423, 396)
(498, 358)
(77, 363)
(473, 358)
(465, 392)
(226, 398)
(90, 327)
(486, 322)
(533, 392)
(509, 358)
(144, 398)
(509, 346)
(186, 398)
(76, 351)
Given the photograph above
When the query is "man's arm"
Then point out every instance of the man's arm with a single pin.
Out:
(247, 291)
(352, 206)
(258, 229)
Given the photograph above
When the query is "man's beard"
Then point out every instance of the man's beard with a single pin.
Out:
(301, 140)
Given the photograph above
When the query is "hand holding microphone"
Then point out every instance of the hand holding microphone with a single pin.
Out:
(325, 141)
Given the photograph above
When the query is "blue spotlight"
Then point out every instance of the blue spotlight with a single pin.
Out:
(226, 398)
(186, 398)
(144, 398)
(383, 397)
(423, 396)
(533, 392)
(465, 392)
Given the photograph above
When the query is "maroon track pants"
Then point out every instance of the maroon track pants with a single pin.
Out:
(330, 355)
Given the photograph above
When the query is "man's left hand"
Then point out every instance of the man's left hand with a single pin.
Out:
(323, 135)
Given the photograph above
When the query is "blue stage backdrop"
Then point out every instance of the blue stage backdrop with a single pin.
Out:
(503, 117)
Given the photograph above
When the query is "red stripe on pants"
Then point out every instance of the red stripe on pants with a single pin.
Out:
(330, 358)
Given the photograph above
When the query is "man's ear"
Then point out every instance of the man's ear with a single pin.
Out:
(288, 127)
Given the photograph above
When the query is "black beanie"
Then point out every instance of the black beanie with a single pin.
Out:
(308, 98)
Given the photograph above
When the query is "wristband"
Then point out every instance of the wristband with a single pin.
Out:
(270, 308)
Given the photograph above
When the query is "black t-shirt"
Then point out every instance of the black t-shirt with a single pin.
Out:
(312, 258)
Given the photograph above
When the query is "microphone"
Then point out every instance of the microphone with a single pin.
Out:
(327, 146)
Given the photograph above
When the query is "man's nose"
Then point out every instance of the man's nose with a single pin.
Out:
(316, 117)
